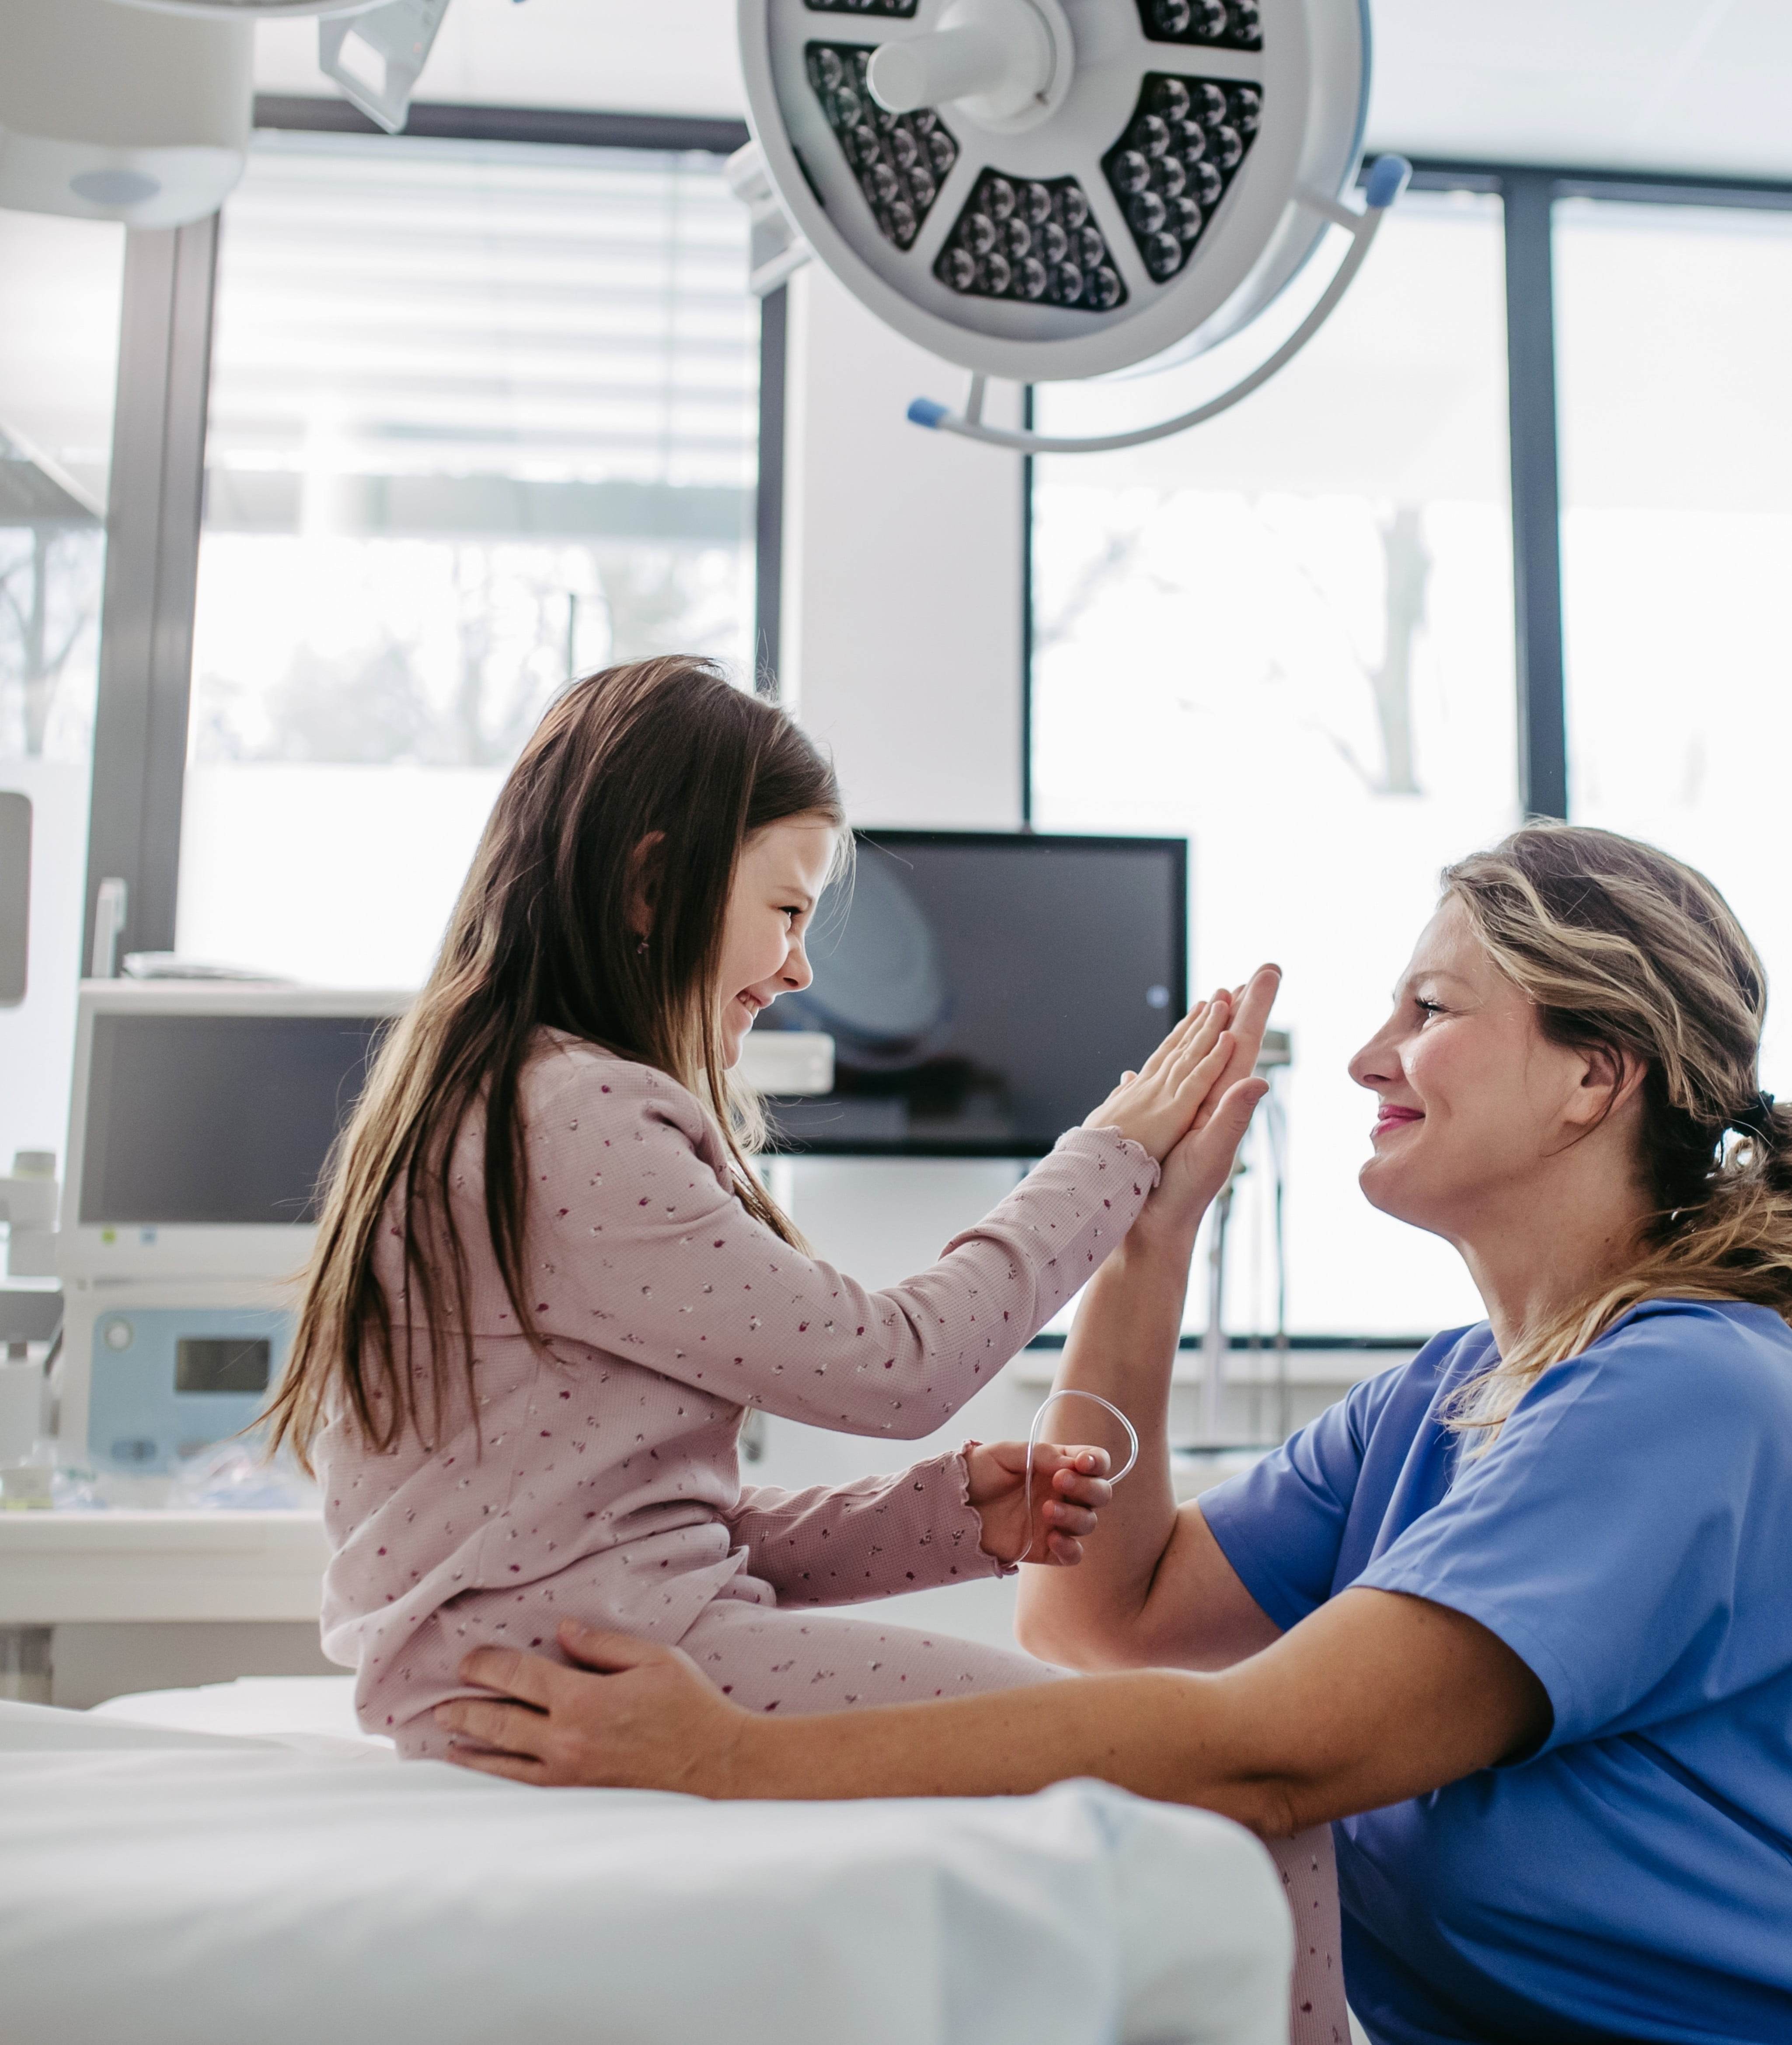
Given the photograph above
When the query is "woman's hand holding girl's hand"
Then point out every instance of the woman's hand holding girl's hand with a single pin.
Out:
(1198, 1167)
(1157, 1105)
(1069, 1488)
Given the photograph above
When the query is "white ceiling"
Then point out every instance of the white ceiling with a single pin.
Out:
(1644, 84)
(1641, 84)
(648, 56)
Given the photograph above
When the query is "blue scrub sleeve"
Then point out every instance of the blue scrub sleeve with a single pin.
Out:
(1281, 1523)
(1601, 1537)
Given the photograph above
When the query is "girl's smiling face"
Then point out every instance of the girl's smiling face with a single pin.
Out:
(1472, 1098)
(782, 870)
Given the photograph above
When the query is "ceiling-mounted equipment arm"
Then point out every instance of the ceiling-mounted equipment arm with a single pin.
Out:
(1386, 182)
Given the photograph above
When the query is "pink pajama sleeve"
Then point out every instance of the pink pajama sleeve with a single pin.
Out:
(881, 1535)
(641, 1249)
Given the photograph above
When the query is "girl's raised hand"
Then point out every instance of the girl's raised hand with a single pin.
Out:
(1157, 1105)
(1069, 1488)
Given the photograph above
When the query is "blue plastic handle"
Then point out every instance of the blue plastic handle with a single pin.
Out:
(925, 412)
(1387, 181)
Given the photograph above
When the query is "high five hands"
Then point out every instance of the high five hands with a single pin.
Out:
(1195, 1096)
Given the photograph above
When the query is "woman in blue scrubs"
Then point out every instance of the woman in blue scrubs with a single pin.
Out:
(1516, 1616)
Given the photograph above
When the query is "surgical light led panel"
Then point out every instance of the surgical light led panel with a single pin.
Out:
(1238, 26)
(899, 157)
(1032, 239)
(1177, 160)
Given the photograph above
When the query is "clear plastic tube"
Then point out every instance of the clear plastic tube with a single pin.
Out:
(1095, 1398)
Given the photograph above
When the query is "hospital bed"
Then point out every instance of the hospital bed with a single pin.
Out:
(197, 1868)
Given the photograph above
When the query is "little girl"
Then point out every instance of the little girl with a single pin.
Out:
(547, 1284)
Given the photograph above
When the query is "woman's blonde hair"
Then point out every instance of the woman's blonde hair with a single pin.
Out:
(1622, 949)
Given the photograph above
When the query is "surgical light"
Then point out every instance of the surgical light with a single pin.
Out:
(1055, 190)
(109, 114)
(375, 50)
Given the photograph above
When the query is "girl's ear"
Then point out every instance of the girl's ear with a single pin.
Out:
(645, 863)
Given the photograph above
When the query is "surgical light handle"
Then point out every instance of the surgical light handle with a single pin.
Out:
(1386, 182)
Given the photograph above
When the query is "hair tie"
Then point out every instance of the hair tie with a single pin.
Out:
(1756, 1119)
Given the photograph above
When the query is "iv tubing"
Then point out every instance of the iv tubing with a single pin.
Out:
(1095, 1398)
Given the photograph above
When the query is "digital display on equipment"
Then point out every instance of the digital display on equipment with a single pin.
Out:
(211, 1119)
(985, 991)
(226, 1363)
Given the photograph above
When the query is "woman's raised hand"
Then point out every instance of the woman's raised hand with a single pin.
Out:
(1198, 1166)
(1156, 1106)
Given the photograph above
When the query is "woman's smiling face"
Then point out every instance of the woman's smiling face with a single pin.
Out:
(1472, 1097)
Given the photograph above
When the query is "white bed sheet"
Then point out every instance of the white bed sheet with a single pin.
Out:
(166, 1886)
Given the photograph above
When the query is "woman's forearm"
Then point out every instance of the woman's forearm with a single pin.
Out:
(1376, 1698)
(1144, 1730)
(1123, 1346)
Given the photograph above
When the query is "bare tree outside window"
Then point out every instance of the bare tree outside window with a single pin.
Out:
(483, 419)
(51, 562)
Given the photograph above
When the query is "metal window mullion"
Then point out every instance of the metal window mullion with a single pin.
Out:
(152, 566)
(1536, 496)
(768, 566)
(1026, 572)
(439, 120)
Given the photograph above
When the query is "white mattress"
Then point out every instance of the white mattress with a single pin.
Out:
(277, 1879)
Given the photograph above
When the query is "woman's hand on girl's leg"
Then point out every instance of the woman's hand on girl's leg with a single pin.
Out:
(1069, 1488)
(660, 1724)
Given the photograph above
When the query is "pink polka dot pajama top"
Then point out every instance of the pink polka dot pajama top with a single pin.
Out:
(603, 1484)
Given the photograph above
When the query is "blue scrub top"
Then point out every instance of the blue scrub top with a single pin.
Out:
(1629, 1537)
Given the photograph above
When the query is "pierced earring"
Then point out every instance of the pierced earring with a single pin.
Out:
(641, 948)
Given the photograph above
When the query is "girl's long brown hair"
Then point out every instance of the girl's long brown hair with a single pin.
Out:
(649, 777)
(1621, 948)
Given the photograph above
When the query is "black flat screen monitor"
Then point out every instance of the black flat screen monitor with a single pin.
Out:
(218, 1119)
(984, 991)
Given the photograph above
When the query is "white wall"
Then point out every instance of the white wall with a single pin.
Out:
(902, 599)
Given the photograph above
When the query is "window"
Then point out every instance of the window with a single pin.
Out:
(61, 284)
(1677, 537)
(1287, 634)
(484, 415)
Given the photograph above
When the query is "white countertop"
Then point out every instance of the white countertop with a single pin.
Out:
(64, 1568)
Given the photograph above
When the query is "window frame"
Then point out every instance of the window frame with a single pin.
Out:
(153, 516)
(154, 513)
(1528, 193)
